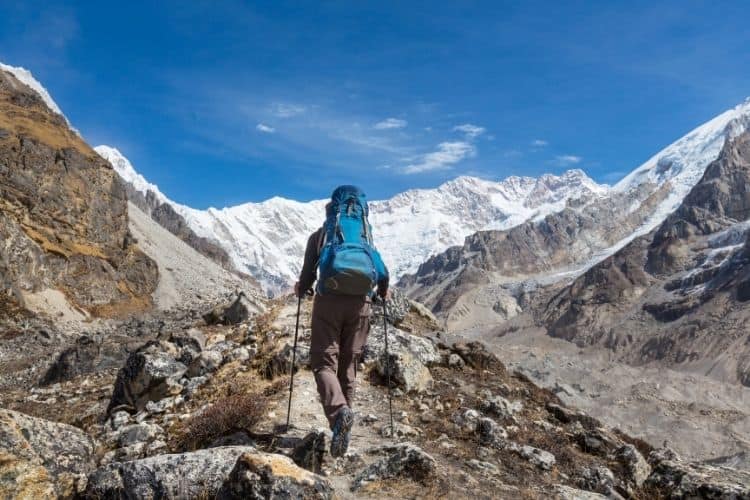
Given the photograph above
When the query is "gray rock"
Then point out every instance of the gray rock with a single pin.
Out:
(150, 373)
(39, 458)
(637, 467)
(207, 362)
(236, 312)
(193, 338)
(501, 407)
(401, 460)
(563, 492)
(137, 433)
(456, 361)
(198, 474)
(542, 459)
(258, 475)
(599, 479)
(685, 480)
(489, 432)
(405, 370)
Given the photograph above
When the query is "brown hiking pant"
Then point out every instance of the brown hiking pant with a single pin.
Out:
(340, 324)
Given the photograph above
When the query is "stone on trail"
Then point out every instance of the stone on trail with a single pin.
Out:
(258, 475)
(198, 474)
(405, 370)
(42, 459)
(401, 460)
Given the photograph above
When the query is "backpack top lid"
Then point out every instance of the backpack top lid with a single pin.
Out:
(344, 193)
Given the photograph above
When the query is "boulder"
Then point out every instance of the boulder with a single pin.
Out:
(150, 373)
(258, 475)
(400, 460)
(686, 480)
(42, 459)
(501, 407)
(542, 459)
(199, 474)
(192, 337)
(207, 362)
(405, 370)
(637, 467)
(236, 312)
(563, 492)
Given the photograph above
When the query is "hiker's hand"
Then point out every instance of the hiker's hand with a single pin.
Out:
(384, 294)
(296, 289)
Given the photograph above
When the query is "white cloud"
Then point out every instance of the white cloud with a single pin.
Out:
(539, 143)
(565, 160)
(447, 155)
(470, 130)
(390, 123)
(287, 110)
(261, 127)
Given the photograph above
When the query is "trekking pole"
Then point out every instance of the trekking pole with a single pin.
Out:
(388, 369)
(294, 361)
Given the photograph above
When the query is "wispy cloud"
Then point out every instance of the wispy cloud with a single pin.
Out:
(287, 110)
(446, 155)
(471, 131)
(390, 123)
(266, 129)
(539, 143)
(566, 160)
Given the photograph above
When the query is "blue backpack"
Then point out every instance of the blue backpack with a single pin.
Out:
(349, 263)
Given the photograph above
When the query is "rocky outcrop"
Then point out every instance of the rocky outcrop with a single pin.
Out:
(63, 213)
(403, 459)
(199, 474)
(686, 480)
(42, 459)
(264, 475)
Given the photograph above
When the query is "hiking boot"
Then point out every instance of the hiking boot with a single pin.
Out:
(342, 430)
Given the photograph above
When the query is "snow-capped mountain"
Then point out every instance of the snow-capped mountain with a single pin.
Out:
(267, 239)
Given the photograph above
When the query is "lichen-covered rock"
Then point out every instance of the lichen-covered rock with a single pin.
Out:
(42, 459)
(637, 467)
(198, 474)
(150, 373)
(258, 475)
(563, 492)
(697, 481)
(401, 460)
(405, 371)
(206, 362)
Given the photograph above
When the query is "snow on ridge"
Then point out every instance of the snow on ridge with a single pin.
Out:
(24, 76)
(125, 170)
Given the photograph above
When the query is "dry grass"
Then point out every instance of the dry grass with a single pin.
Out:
(239, 412)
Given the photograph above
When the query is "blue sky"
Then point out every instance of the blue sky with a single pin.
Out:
(224, 102)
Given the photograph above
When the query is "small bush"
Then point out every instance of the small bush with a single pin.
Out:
(238, 412)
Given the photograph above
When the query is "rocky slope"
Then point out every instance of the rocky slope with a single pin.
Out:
(194, 412)
(63, 213)
(678, 295)
(149, 200)
(488, 279)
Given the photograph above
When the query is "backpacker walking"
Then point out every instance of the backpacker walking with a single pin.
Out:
(349, 268)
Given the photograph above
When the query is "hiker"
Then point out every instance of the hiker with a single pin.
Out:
(349, 268)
